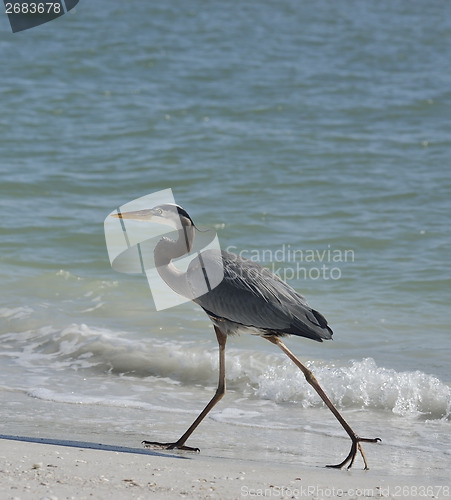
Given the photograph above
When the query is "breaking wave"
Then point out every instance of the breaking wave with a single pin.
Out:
(357, 384)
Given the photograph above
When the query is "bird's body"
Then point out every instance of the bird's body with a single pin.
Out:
(251, 299)
(246, 298)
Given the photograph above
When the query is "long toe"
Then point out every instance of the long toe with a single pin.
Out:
(350, 457)
(168, 446)
(157, 445)
(355, 447)
(369, 440)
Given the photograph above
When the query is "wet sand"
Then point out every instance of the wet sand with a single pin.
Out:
(63, 469)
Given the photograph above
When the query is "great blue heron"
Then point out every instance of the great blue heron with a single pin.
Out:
(248, 299)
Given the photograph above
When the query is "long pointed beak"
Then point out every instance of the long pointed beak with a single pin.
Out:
(136, 215)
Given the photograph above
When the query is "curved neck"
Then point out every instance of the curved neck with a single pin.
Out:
(168, 249)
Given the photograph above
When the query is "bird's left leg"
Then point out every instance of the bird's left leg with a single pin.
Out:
(311, 379)
(220, 391)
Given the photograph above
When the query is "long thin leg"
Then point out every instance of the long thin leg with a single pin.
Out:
(311, 379)
(220, 391)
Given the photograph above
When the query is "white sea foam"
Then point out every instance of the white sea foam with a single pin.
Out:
(356, 384)
(13, 313)
(362, 384)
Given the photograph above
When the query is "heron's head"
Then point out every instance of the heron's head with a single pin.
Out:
(168, 214)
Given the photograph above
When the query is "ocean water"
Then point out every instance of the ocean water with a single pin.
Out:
(314, 137)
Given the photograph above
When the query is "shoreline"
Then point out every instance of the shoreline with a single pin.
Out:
(33, 468)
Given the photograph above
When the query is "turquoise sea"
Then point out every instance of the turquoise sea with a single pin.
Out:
(314, 136)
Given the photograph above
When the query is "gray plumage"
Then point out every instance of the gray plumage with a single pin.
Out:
(252, 299)
(245, 296)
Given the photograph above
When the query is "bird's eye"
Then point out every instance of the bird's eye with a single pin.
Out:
(159, 211)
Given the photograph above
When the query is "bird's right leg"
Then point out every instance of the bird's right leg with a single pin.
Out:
(311, 379)
(220, 391)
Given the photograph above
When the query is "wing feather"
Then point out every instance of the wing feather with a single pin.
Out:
(252, 296)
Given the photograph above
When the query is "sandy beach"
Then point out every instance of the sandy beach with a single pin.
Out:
(41, 470)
